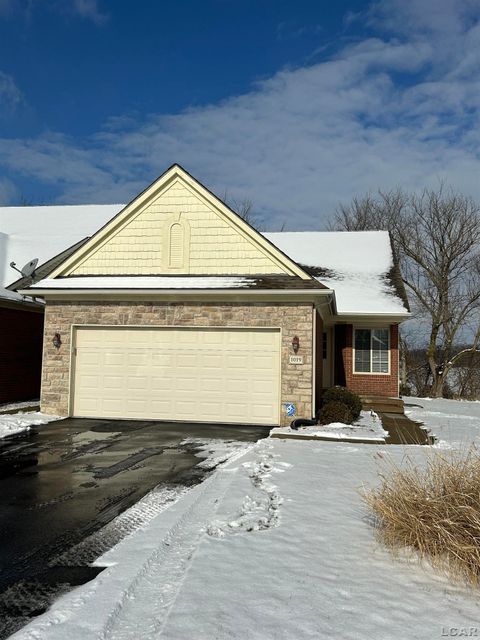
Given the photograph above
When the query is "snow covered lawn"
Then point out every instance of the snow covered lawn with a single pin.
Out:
(14, 423)
(367, 427)
(456, 423)
(276, 544)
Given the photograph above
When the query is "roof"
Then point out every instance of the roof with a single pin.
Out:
(44, 232)
(268, 282)
(358, 265)
(12, 298)
(6, 294)
(44, 269)
(95, 251)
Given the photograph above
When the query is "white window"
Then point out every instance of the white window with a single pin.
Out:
(372, 351)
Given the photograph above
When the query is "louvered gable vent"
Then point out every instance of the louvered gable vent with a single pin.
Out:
(177, 245)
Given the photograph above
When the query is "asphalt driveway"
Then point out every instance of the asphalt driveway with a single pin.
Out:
(60, 486)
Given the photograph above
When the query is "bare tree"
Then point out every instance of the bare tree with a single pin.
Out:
(244, 209)
(436, 238)
(371, 212)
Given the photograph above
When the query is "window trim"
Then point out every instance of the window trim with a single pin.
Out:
(372, 373)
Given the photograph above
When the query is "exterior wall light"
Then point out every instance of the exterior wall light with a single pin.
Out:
(56, 341)
(295, 344)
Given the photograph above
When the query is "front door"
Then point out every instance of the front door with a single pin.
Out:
(327, 358)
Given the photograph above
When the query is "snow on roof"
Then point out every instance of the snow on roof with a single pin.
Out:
(13, 296)
(356, 265)
(6, 294)
(144, 282)
(44, 232)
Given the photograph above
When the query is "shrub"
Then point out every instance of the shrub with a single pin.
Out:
(434, 509)
(347, 397)
(335, 412)
(405, 390)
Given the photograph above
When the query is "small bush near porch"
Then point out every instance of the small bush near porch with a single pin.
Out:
(339, 405)
(434, 509)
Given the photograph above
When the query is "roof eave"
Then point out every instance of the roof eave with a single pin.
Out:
(397, 316)
(22, 305)
(59, 293)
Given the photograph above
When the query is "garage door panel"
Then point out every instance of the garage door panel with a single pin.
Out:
(212, 360)
(161, 359)
(210, 408)
(236, 361)
(113, 359)
(194, 374)
(188, 359)
(185, 406)
(187, 385)
(137, 358)
(160, 383)
(136, 405)
(262, 387)
(208, 384)
(265, 362)
(137, 382)
(161, 407)
(111, 405)
(237, 385)
(89, 381)
(89, 357)
(236, 410)
(113, 382)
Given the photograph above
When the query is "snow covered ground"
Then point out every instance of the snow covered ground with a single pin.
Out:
(367, 427)
(10, 406)
(14, 423)
(456, 423)
(276, 544)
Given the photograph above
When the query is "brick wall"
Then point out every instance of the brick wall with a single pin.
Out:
(371, 384)
(21, 335)
(293, 319)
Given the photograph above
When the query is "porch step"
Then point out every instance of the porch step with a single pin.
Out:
(382, 404)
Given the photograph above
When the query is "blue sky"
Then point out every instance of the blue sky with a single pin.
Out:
(295, 105)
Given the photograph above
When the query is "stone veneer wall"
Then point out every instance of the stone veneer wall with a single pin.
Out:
(293, 319)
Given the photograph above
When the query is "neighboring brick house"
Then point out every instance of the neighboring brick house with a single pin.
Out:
(176, 309)
(21, 339)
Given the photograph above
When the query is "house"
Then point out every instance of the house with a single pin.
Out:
(177, 309)
(27, 233)
(21, 339)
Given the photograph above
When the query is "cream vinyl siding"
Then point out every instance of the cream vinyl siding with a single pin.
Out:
(188, 374)
(155, 240)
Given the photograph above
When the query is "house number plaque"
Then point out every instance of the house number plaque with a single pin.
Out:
(296, 360)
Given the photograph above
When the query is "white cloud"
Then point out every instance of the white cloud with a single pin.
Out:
(8, 191)
(306, 138)
(89, 9)
(10, 94)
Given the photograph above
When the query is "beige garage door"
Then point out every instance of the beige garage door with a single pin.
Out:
(192, 374)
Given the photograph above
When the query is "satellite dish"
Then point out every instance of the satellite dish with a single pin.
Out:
(28, 269)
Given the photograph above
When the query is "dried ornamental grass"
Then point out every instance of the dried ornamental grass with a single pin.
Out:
(434, 509)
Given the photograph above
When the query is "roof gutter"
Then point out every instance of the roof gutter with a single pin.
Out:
(311, 294)
(393, 317)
